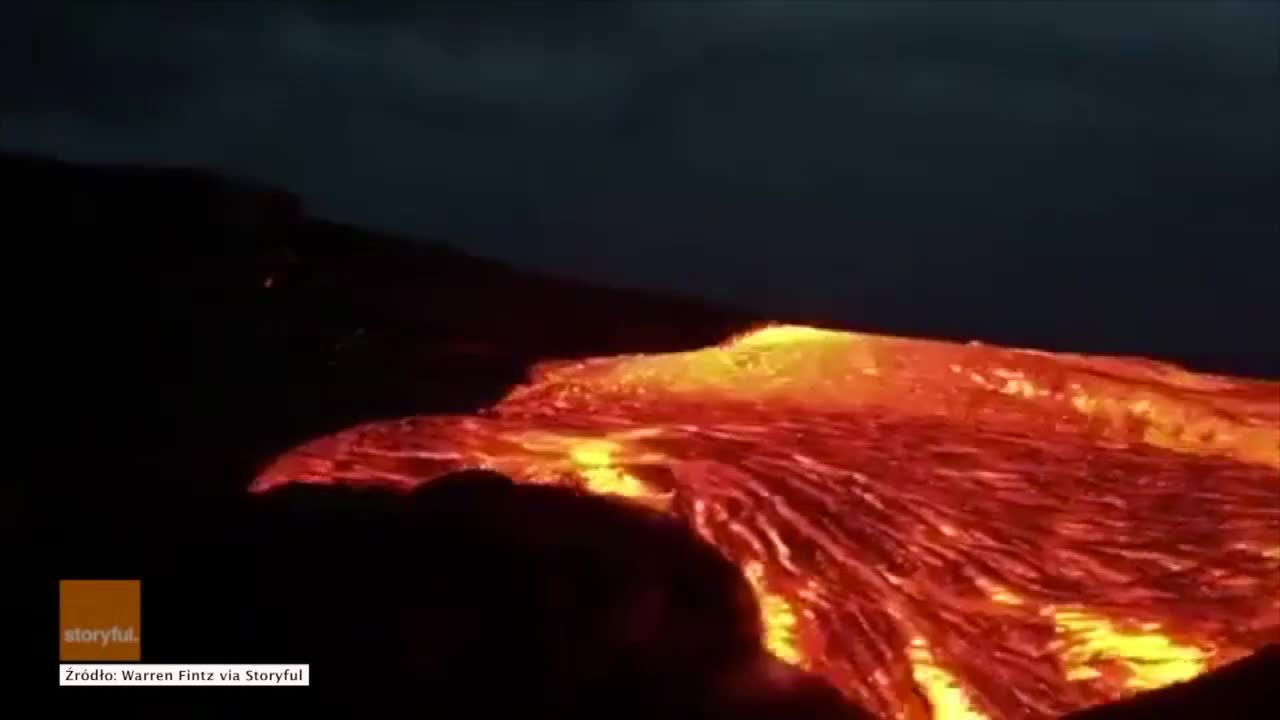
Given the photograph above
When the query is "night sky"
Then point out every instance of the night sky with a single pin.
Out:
(1086, 174)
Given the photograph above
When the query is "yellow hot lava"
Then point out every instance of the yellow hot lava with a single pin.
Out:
(777, 616)
(1150, 659)
(594, 460)
(947, 697)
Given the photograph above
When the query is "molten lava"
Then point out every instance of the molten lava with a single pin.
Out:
(940, 530)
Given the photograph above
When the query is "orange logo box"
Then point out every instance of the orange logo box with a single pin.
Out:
(100, 619)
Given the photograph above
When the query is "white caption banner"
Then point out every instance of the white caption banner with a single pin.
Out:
(149, 674)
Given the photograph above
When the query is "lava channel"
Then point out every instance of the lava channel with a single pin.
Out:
(940, 530)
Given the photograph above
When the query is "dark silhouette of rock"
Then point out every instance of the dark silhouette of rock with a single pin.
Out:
(477, 596)
(205, 325)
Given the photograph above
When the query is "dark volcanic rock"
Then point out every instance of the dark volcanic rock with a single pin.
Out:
(474, 596)
(191, 327)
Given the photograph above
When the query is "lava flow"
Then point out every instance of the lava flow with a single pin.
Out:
(940, 530)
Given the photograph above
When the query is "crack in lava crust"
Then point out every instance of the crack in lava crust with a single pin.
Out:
(940, 530)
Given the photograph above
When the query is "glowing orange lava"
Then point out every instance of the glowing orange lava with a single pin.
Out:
(941, 530)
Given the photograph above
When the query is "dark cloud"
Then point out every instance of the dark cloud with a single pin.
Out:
(805, 156)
